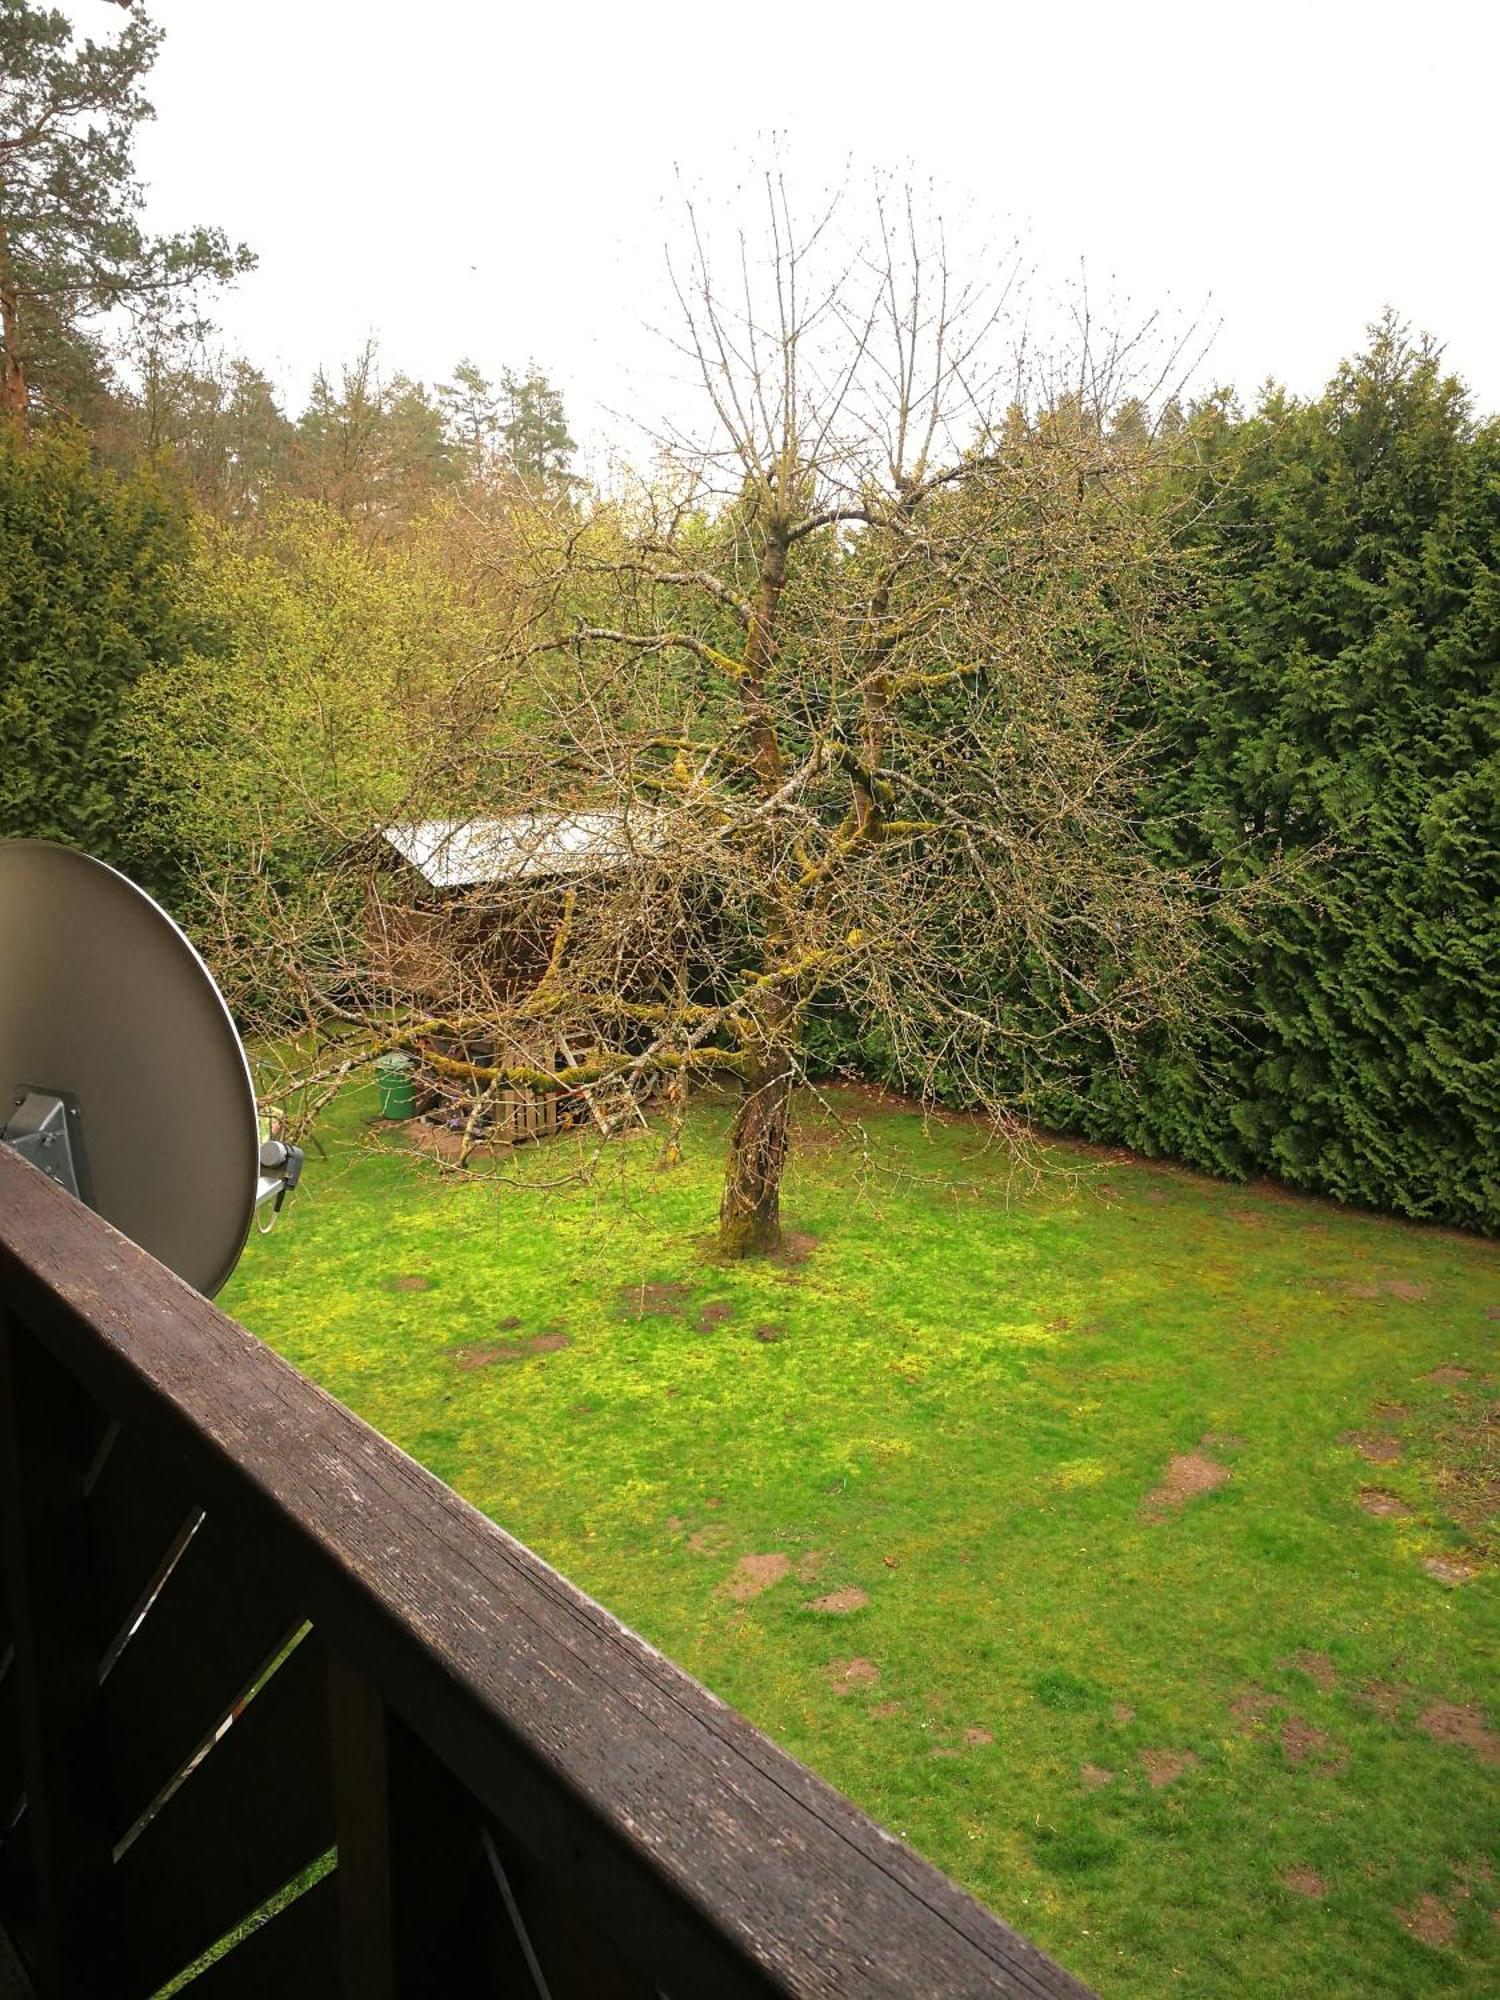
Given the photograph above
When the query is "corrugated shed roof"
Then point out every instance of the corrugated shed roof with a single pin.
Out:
(461, 853)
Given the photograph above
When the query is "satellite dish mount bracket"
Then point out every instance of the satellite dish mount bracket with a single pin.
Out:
(46, 1127)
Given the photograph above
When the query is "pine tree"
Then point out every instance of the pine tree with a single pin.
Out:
(471, 412)
(71, 246)
(535, 429)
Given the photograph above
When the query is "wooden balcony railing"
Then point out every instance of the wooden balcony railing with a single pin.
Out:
(266, 1680)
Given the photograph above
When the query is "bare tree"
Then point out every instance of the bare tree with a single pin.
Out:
(845, 700)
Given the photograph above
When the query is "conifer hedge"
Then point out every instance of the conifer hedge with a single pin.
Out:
(1335, 699)
(90, 578)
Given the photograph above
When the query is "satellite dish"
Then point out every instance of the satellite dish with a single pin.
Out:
(121, 1073)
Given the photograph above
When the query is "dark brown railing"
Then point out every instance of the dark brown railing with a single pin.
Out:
(265, 1679)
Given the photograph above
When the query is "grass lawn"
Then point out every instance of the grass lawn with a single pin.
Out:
(1127, 1542)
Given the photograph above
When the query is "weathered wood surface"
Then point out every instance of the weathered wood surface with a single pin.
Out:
(711, 1858)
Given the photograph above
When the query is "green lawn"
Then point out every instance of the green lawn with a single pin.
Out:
(1038, 1518)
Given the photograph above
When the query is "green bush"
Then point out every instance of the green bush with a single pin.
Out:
(89, 600)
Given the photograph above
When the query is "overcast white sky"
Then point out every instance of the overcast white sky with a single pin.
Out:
(461, 177)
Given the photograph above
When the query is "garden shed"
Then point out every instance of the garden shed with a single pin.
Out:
(462, 916)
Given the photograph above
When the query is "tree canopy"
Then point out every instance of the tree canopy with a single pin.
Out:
(72, 249)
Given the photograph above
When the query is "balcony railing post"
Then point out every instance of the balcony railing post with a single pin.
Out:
(42, 1443)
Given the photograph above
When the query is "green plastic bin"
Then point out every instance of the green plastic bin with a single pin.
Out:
(393, 1082)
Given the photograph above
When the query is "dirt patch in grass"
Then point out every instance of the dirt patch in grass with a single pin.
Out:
(1463, 1724)
(1317, 1666)
(1251, 1707)
(444, 1143)
(797, 1245)
(1408, 1290)
(1384, 1506)
(770, 1333)
(977, 1739)
(1469, 1471)
(1187, 1476)
(1305, 1882)
(409, 1281)
(1448, 1376)
(657, 1300)
(1302, 1744)
(1385, 1698)
(841, 1601)
(1122, 1714)
(1434, 1919)
(1165, 1767)
(710, 1541)
(1376, 1450)
(1451, 1571)
(753, 1574)
(1431, 1920)
(1094, 1777)
(512, 1350)
(848, 1676)
(715, 1315)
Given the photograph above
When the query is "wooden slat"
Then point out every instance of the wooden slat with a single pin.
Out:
(12, 1778)
(293, 1955)
(41, 1513)
(357, 1718)
(256, 1811)
(134, 1519)
(717, 1860)
(215, 1624)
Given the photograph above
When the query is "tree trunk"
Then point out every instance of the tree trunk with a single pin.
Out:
(750, 1213)
(13, 391)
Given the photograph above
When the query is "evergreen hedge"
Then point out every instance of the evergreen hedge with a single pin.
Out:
(90, 569)
(1336, 700)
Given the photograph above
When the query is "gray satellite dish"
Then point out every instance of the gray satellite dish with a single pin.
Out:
(121, 1073)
